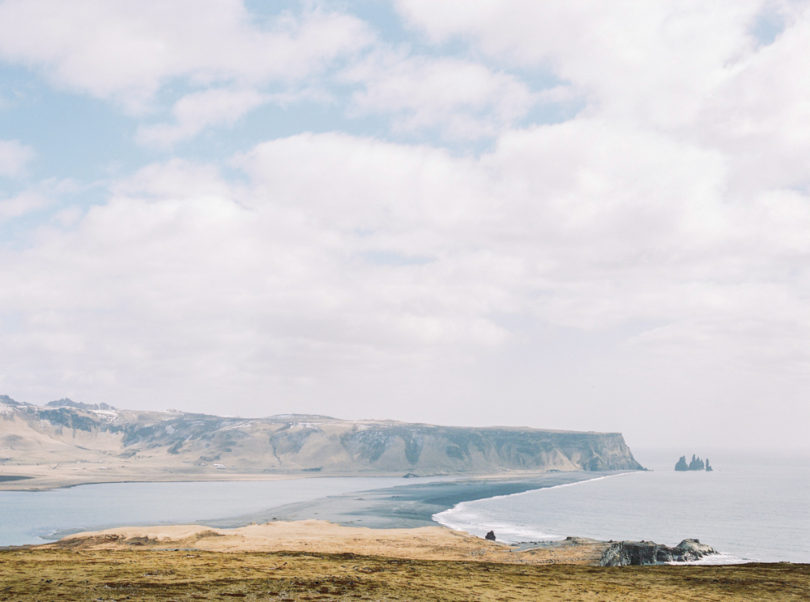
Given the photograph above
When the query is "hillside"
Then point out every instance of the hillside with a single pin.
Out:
(95, 441)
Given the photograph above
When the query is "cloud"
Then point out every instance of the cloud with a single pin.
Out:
(757, 114)
(126, 53)
(14, 157)
(274, 284)
(654, 63)
(42, 195)
(644, 258)
(197, 111)
(21, 204)
(462, 99)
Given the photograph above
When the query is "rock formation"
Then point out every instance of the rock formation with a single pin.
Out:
(695, 464)
(624, 553)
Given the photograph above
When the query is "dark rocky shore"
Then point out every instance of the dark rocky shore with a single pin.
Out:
(626, 553)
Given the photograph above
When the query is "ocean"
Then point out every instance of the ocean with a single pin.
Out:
(749, 509)
(33, 517)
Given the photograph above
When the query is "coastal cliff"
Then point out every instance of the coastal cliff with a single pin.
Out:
(111, 439)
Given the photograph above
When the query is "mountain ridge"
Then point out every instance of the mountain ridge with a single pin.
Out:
(120, 441)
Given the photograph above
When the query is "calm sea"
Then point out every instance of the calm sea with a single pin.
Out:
(748, 509)
(31, 517)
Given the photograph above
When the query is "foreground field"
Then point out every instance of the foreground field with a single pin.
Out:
(48, 574)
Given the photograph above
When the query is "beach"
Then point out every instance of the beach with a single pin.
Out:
(322, 537)
(373, 544)
(42, 477)
(409, 504)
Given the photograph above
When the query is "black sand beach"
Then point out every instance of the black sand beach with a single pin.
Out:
(408, 505)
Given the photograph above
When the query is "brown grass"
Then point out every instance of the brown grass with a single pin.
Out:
(148, 574)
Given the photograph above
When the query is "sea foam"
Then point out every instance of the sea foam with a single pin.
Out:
(465, 517)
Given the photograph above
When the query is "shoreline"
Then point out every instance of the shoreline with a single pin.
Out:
(401, 507)
(323, 537)
(29, 482)
(390, 504)
(408, 505)
(43, 478)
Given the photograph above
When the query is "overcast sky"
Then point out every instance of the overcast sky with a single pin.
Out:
(573, 215)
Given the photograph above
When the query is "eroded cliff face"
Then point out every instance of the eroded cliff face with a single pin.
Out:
(66, 431)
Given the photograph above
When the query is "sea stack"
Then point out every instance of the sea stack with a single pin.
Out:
(696, 463)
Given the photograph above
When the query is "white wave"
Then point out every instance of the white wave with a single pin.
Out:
(476, 524)
(715, 559)
(462, 517)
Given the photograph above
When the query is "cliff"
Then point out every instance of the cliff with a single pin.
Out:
(178, 442)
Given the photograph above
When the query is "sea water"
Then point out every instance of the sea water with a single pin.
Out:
(747, 509)
(31, 517)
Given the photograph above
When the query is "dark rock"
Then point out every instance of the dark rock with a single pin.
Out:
(695, 464)
(625, 553)
(490, 536)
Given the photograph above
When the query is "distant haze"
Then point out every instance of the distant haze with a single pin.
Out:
(559, 215)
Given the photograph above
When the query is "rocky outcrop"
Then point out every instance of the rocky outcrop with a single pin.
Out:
(695, 464)
(199, 443)
(624, 553)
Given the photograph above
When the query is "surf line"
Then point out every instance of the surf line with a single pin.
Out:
(461, 505)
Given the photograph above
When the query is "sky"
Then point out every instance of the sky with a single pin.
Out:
(569, 215)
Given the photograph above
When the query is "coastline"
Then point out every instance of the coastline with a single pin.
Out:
(323, 537)
(319, 560)
(40, 477)
(44, 479)
(393, 503)
(407, 505)
(359, 559)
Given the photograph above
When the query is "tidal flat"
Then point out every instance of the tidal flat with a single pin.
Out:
(44, 574)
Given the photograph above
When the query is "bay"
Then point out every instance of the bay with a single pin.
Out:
(749, 509)
(32, 517)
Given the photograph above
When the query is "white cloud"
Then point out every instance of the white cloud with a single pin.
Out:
(275, 286)
(646, 255)
(21, 204)
(652, 63)
(197, 111)
(127, 52)
(759, 113)
(14, 157)
(40, 196)
(460, 98)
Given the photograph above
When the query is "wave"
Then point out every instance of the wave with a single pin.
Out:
(466, 517)
(716, 559)
(463, 517)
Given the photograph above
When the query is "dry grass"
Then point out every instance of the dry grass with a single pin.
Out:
(61, 574)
